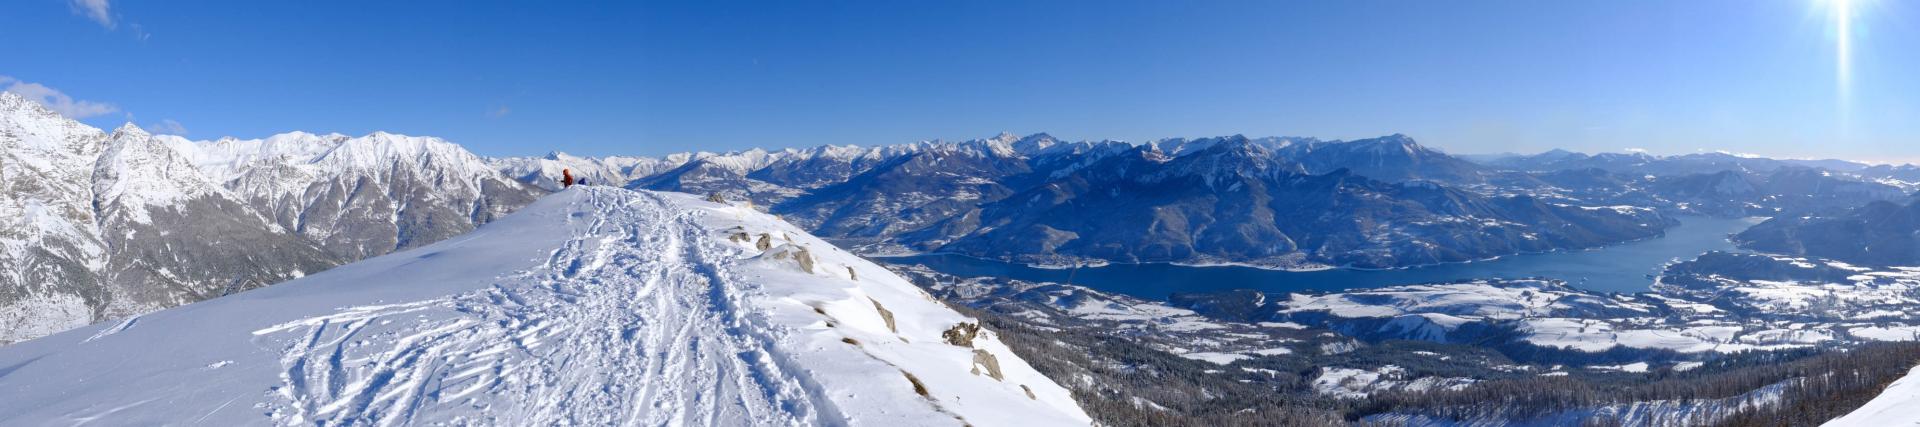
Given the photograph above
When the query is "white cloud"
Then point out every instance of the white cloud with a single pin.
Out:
(1636, 150)
(498, 112)
(97, 10)
(55, 100)
(167, 127)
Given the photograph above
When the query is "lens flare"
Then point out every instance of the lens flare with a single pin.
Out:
(1844, 19)
(1843, 49)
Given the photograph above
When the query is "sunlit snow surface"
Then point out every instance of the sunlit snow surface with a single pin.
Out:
(1899, 405)
(592, 306)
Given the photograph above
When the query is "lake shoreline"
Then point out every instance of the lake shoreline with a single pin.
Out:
(1624, 267)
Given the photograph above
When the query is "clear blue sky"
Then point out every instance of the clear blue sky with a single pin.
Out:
(524, 78)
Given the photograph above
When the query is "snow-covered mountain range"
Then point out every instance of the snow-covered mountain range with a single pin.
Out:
(591, 306)
(98, 225)
(110, 226)
(1278, 201)
(1285, 202)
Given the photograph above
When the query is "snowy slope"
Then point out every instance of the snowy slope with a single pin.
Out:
(1899, 405)
(95, 226)
(592, 306)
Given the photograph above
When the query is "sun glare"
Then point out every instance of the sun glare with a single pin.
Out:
(1841, 17)
(1842, 13)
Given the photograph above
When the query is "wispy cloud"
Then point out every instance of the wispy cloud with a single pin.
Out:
(167, 127)
(1636, 150)
(55, 100)
(97, 10)
(498, 112)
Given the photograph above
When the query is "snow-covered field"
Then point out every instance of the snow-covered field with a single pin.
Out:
(1712, 314)
(1177, 331)
(592, 306)
(1359, 383)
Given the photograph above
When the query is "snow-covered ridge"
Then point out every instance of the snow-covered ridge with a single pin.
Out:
(136, 171)
(591, 306)
(226, 158)
(1899, 404)
(95, 225)
(544, 171)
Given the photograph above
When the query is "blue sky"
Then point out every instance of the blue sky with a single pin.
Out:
(524, 78)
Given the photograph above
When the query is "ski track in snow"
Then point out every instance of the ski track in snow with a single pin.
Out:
(596, 306)
(122, 326)
(605, 323)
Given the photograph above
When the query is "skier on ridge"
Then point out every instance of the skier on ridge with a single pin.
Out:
(566, 178)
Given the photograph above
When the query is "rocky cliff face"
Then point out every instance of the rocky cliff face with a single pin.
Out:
(173, 236)
(50, 246)
(365, 196)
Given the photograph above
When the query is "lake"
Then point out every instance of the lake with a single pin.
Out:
(1625, 267)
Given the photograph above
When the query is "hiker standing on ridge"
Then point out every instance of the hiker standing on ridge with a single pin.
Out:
(566, 178)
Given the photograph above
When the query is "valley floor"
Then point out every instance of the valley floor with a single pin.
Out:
(1433, 354)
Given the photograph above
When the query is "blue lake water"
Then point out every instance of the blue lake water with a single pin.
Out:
(1626, 267)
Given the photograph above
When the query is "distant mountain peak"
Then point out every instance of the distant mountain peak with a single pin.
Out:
(10, 101)
(130, 130)
(1394, 141)
(1034, 143)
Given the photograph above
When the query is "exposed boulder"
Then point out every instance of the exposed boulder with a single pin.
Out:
(962, 334)
(981, 358)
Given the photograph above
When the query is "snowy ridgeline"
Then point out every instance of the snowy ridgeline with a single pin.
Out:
(591, 306)
(97, 226)
(1898, 405)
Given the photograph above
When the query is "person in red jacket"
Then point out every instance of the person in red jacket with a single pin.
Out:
(566, 178)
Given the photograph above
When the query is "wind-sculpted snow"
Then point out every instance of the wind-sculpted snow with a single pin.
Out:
(593, 306)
